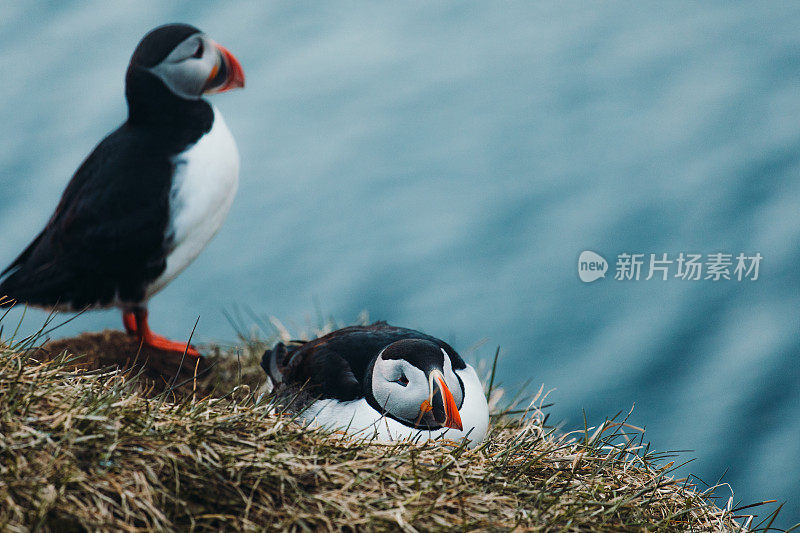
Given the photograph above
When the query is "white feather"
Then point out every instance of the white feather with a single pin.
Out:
(362, 420)
(205, 182)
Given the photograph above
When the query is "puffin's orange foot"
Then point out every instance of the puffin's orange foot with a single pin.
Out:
(135, 323)
(129, 321)
(164, 344)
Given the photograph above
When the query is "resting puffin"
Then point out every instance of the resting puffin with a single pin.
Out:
(149, 197)
(380, 381)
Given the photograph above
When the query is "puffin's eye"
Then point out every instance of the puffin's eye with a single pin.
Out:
(402, 380)
(199, 52)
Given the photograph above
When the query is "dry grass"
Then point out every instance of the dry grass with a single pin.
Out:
(136, 450)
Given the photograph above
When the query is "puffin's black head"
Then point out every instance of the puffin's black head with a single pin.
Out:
(413, 380)
(179, 62)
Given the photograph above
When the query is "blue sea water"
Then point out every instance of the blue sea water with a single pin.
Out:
(443, 165)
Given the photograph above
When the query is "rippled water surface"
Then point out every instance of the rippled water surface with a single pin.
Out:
(443, 165)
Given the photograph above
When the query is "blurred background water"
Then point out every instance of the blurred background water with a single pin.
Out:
(442, 165)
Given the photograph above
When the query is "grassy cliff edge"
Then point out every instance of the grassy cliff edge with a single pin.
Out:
(85, 448)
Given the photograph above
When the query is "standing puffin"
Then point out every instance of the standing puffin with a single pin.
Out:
(380, 381)
(148, 198)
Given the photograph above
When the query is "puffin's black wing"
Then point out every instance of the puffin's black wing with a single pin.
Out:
(105, 239)
(335, 365)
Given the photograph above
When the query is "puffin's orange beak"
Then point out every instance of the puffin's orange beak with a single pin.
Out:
(235, 73)
(452, 418)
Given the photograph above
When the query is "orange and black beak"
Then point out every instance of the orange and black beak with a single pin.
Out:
(226, 75)
(446, 413)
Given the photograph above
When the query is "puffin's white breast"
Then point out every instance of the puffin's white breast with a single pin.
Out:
(204, 184)
(362, 420)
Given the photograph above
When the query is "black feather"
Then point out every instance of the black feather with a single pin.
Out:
(336, 366)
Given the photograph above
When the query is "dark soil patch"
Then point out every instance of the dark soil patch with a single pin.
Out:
(158, 370)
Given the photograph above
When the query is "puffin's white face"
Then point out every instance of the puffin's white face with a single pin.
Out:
(199, 66)
(425, 398)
